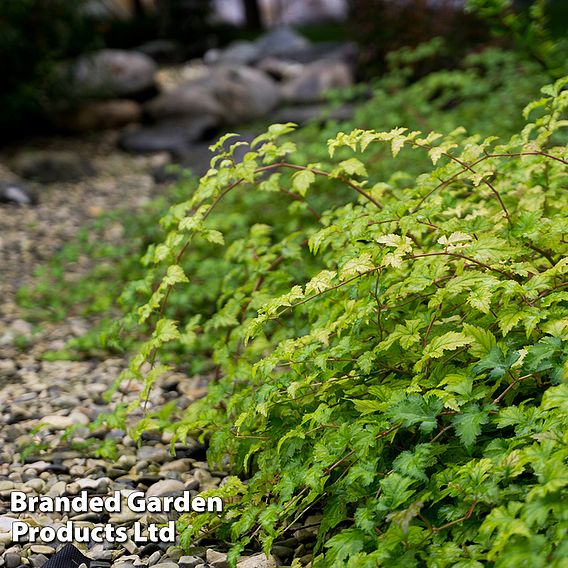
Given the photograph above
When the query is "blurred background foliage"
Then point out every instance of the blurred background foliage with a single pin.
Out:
(37, 38)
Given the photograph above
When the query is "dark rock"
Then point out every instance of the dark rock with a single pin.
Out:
(315, 80)
(16, 192)
(162, 51)
(50, 166)
(113, 72)
(149, 549)
(168, 136)
(98, 115)
(11, 559)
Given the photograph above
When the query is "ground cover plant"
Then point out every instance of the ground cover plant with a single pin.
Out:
(398, 363)
(381, 307)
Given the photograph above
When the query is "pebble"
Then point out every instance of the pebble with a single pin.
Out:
(165, 488)
(216, 559)
(189, 561)
(258, 561)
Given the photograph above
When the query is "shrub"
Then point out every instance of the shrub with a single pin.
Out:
(397, 362)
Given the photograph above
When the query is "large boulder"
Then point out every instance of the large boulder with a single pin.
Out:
(281, 41)
(113, 72)
(50, 166)
(231, 95)
(315, 80)
(240, 52)
(98, 115)
(173, 136)
(190, 99)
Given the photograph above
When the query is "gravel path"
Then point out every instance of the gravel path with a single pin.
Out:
(60, 394)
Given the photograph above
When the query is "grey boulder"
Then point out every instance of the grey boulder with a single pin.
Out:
(50, 166)
(231, 95)
(113, 72)
(169, 135)
(316, 80)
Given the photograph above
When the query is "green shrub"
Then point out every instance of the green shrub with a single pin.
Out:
(397, 360)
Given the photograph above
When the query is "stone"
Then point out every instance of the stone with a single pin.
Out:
(231, 94)
(98, 115)
(162, 51)
(315, 80)
(216, 559)
(189, 561)
(50, 166)
(57, 422)
(281, 41)
(153, 454)
(112, 72)
(168, 135)
(258, 561)
(37, 560)
(154, 558)
(166, 487)
(189, 99)
(12, 559)
(166, 565)
(42, 549)
(239, 52)
(16, 192)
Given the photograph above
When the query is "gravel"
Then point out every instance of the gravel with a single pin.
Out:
(64, 394)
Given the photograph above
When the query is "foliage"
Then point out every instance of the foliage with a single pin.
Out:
(393, 354)
(382, 26)
(35, 35)
(489, 84)
(529, 29)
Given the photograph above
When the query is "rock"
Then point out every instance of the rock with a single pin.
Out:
(315, 80)
(216, 559)
(16, 192)
(7, 368)
(37, 560)
(258, 561)
(281, 41)
(98, 115)
(12, 559)
(166, 487)
(42, 549)
(246, 94)
(50, 166)
(282, 552)
(154, 558)
(189, 561)
(190, 99)
(166, 565)
(6, 523)
(57, 422)
(335, 51)
(162, 51)
(112, 72)
(168, 135)
(239, 52)
(153, 454)
(231, 95)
